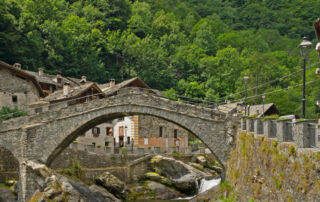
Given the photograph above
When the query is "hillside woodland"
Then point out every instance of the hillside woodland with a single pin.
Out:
(196, 48)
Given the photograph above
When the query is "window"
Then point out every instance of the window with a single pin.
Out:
(128, 140)
(106, 144)
(95, 131)
(175, 133)
(109, 131)
(121, 131)
(94, 144)
(14, 99)
(160, 131)
(145, 141)
(318, 138)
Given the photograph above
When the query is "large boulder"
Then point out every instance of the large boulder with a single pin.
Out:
(113, 185)
(158, 178)
(55, 187)
(183, 176)
(162, 192)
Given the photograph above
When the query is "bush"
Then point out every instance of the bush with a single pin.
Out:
(7, 113)
(176, 154)
(272, 116)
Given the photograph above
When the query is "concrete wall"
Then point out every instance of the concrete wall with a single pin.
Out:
(11, 85)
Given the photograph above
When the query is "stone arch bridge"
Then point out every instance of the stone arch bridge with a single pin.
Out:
(42, 137)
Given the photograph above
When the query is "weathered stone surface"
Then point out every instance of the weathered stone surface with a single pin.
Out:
(113, 185)
(183, 177)
(42, 137)
(162, 192)
(201, 160)
(54, 187)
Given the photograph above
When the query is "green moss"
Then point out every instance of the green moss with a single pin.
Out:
(274, 143)
(273, 116)
(292, 151)
(176, 154)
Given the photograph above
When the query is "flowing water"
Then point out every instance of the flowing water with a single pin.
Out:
(204, 186)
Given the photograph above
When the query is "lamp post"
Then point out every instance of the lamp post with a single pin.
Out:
(245, 79)
(263, 99)
(304, 47)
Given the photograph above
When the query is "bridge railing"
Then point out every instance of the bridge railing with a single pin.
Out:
(304, 133)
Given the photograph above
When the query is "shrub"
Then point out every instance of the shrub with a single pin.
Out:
(272, 116)
(176, 154)
(7, 113)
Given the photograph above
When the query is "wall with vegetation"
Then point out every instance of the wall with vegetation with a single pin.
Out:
(265, 170)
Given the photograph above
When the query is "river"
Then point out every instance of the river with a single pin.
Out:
(204, 186)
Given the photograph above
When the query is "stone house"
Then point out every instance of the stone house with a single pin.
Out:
(38, 91)
(138, 131)
(259, 110)
(77, 94)
(18, 88)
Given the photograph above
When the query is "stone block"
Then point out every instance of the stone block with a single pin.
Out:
(258, 126)
(282, 130)
(304, 136)
(243, 123)
(269, 128)
(250, 126)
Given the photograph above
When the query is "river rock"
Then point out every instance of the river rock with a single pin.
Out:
(162, 192)
(113, 185)
(158, 178)
(184, 177)
(55, 187)
(201, 160)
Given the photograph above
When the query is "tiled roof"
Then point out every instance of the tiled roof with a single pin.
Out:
(258, 109)
(73, 92)
(137, 81)
(23, 74)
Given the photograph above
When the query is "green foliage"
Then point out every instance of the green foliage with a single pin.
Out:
(74, 170)
(176, 154)
(8, 113)
(197, 49)
(272, 116)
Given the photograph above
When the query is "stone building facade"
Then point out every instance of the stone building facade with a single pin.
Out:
(17, 89)
(159, 133)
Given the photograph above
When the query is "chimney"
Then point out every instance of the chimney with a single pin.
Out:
(112, 82)
(59, 78)
(83, 80)
(40, 71)
(17, 65)
(66, 88)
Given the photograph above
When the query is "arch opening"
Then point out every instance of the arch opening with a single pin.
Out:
(90, 124)
(9, 175)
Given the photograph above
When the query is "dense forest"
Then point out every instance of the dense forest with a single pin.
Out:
(196, 48)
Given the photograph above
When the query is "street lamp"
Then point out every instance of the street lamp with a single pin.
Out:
(263, 98)
(245, 79)
(304, 47)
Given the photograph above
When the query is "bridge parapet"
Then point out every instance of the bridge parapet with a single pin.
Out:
(132, 96)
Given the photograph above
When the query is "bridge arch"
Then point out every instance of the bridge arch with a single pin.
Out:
(201, 128)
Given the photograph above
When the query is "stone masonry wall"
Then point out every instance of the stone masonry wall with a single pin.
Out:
(90, 160)
(263, 169)
(149, 127)
(11, 85)
(9, 166)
